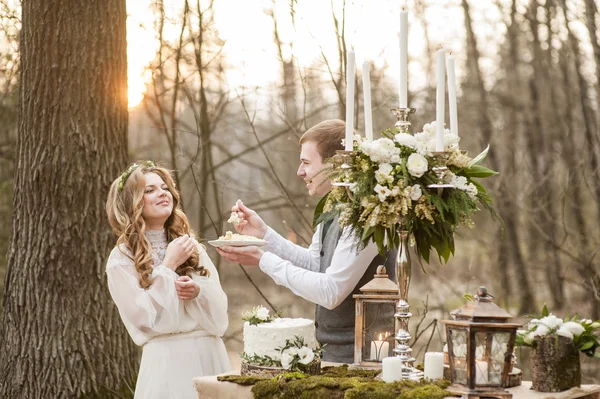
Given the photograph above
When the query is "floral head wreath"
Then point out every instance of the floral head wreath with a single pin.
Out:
(130, 170)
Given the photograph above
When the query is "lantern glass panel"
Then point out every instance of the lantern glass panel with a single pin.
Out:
(459, 355)
(490, 355)
(379, 330)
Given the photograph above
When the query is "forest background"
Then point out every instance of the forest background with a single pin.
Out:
(221, 91)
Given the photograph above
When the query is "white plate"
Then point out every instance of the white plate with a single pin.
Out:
(232, 243)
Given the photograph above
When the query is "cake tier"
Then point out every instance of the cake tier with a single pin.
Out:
(264, 339)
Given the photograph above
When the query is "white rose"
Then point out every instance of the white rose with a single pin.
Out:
(575, 328)
(529, 338)
(306, 355)
(417, 165)
(286, 360)
(406, 139)
(262, 313)
(541, 331)
(382, 192)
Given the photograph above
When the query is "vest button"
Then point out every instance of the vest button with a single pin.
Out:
(322, 253)
(316, 324)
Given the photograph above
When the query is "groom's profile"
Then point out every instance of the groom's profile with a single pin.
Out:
(331, 269)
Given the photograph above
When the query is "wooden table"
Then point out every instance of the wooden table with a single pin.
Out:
(210, 388)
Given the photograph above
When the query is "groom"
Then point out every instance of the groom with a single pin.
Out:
(331, 269)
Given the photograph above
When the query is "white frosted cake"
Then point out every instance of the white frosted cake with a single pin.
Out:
(265, 338)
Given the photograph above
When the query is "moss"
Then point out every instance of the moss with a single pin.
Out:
(339, 382)
(241, 379)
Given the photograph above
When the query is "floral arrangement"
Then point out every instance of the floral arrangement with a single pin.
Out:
(295, 356)
(258, 314)
(583, 332)
(389, 179)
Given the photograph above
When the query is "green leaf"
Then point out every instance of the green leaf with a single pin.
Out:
(319, 210)
(479, 171)
(545, 311)
(379, 237)
(587, 345)
(480, 157)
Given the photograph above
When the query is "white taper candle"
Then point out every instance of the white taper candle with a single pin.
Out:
(349, 100)
(452, 96)
(440, 99)
(403, 86)
(367, 101)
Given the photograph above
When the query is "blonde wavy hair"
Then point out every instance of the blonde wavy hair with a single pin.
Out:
(124, 209)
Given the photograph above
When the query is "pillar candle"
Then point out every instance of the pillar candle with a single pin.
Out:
(379, 348)
(452, 96)
(349, 100)
(440, 99)
(481, 372)
(434, 365)
(367, 101)
(391, 369)
(403, 86)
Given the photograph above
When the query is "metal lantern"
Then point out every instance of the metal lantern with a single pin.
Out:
(480, 346)
(374, 325)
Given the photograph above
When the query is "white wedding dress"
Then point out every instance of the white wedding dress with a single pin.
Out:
(180, 339)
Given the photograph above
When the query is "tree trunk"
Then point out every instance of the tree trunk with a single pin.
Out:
(61, 334)
(505, 208)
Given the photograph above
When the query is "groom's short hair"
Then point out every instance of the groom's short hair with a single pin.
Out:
(327, 135)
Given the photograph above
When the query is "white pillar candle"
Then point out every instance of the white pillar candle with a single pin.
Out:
(391, 369)
(434, 365)
(403, 86)
(452, 96)
(481, 372)
(367, 101)
(379, 348)
(349, 100)
(440, 99)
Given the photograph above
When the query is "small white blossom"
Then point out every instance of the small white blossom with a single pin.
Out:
(286, 360)
(414, 192)
(416, 165)
(575, 328)
(551, 321)
(529, 338)
(381, 150)
(383, 174)
(306, 355)
(382, 192)
(262, 313)
(541, 330)
(564, 331)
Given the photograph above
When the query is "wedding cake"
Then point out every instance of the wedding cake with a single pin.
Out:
(273, 345)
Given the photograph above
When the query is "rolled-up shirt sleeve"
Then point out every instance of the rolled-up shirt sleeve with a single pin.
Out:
(327, 289)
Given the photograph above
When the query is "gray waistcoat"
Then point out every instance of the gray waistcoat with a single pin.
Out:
(336, 327)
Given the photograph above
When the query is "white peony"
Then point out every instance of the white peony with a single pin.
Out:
(286, 360)
(575, 328)
(417, 165)
(405, 139)
(306, 355)
(262, 313)
(382, 192)
(383, 174)
(381, 150)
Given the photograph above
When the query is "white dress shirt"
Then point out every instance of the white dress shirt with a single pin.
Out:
(297, 268)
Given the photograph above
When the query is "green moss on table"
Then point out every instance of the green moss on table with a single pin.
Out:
(339, 382)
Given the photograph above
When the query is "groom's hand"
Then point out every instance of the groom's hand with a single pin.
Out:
(250, 223)
(249, 256)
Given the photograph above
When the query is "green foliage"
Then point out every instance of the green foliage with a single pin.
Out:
(265, 361)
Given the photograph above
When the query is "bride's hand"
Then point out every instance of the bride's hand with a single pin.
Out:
(250, 223)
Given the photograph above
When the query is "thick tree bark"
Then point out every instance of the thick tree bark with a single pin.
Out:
(61, 334)
(506, 210)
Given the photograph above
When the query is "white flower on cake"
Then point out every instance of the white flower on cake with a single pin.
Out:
(286, 360)
(306, 355)
(262, 313)
(417, 165)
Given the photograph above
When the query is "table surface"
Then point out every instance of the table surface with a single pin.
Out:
(211, 388)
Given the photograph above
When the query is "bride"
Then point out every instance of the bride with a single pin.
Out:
(164, 284)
